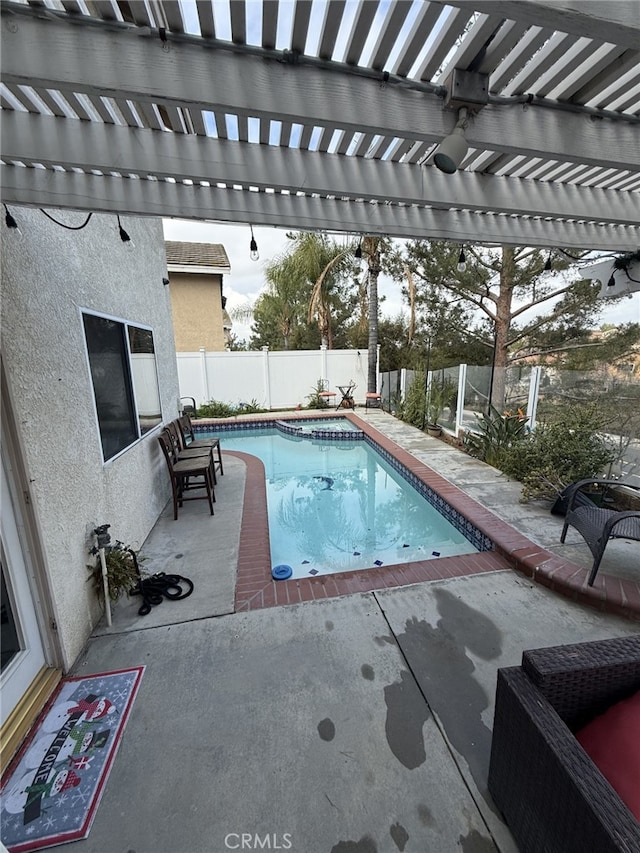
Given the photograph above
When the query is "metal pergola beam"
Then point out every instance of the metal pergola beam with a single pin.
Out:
(614, 21)
(137, 197)
(134, 64)
(69, 143)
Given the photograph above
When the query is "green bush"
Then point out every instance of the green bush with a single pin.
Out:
(250, 408)
(122, 570)
(315, 400)
(215, 409)
(497, 433)
(414, 409)
(559, 453)
(441, 394)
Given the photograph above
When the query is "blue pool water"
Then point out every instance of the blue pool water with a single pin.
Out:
(338, 506)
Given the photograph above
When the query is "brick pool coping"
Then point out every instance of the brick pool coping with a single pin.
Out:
(255, 588)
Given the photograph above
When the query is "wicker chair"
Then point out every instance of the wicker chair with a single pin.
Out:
(597, 525)
(553, 797)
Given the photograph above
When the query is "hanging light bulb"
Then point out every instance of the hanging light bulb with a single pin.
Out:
(126, 239)
(612, 281)
(358, 251)
(548, 266)
(462, 261)
(11, 222)
(253, 247)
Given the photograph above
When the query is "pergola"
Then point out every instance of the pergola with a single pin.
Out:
(327, 114)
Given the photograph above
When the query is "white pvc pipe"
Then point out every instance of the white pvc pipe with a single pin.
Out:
(105, 586)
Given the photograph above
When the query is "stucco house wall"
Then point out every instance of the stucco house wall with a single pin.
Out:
(196, 302)
(48, 275)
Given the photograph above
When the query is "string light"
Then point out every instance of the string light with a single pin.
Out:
(253, 247)
(548, 265)
(123, 234)
(10, 221)
(462, 261)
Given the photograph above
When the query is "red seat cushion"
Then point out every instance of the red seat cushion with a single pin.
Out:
(612, 741)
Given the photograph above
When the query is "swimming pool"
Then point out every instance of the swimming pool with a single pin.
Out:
(339, 506)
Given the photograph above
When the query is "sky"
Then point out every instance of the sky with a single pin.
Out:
(246, 280)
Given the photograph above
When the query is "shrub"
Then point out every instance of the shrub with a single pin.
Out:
(122, 570)
(215, 409)
(315, 400)
(497, 433)
(250, 408)
(441, 395)
(559, 453)
(414, 409)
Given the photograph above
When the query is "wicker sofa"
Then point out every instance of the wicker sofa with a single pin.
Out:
(553, 797)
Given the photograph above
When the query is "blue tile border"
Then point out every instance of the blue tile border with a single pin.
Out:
(289, 428)
(477, 538)
(334, 435)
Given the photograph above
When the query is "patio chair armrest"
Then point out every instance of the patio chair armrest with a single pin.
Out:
(616, 519)
(577, 487)
(550, 792)
(585, 677)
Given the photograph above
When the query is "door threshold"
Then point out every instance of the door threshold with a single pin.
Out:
(24, 715)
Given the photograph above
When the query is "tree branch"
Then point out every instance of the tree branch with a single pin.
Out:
(564, 348)
(533, 326)
(541, 299)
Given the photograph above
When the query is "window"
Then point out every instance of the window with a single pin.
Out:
(125, 381)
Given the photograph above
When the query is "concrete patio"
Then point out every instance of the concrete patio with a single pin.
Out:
(356, 724)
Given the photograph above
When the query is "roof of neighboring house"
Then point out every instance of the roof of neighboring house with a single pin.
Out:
(190, 255)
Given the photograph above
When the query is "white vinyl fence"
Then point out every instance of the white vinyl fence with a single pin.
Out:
(273, 380)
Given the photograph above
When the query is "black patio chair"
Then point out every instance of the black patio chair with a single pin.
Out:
(597, 525)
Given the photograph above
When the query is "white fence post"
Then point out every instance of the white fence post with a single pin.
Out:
(534, 391)
(203, 374)
(462, 381)
(267, 380)
(403, 383)
(323, 366)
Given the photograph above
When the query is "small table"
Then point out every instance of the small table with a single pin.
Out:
(346, 401)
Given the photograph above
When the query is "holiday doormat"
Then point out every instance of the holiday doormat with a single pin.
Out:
(51, 790)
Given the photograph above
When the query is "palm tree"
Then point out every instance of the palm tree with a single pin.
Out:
(320, 260)
(371, 249)
(319, 307)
